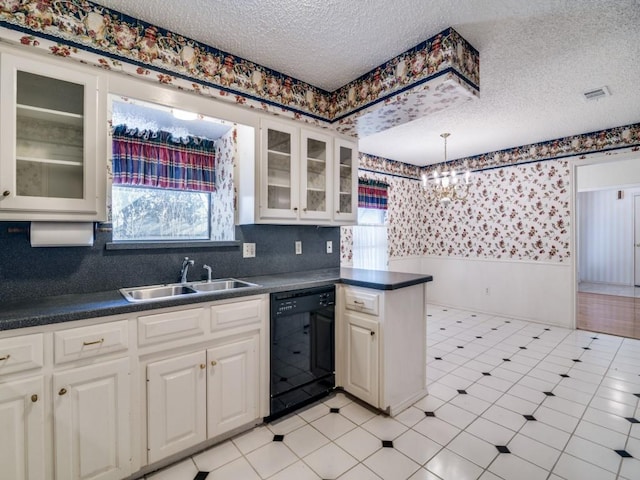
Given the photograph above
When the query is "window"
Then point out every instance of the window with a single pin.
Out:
(157, 214)
(171, 175)
(370, 235)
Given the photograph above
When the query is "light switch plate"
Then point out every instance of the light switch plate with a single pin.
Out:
(329, 246)
(298, 247)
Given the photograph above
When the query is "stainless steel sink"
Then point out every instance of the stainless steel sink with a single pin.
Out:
(164, 292)
(220, 285)
(156, 292)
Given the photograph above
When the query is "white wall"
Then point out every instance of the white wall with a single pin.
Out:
(535, 291)
(609, 174)
(605, 236)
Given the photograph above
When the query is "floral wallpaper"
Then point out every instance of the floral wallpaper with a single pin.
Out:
(93, 34)
(518, 212)
(518, 205)
(346, 246)
(223, 200)
(438, 94)
(405, 212)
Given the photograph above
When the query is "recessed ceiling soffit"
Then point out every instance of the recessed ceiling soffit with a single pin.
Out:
(439, 73)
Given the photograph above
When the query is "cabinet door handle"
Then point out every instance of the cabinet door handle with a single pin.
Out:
(6, 357)
(203, 366)
(304, 209)
(295, 209)
(62, 391)
(6, 193)
(357, 302)
(213, 363)
(337, 211)
(95, 342)
(373, 333)
(34, 398)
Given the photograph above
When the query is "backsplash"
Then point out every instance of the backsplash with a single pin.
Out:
(27, 273)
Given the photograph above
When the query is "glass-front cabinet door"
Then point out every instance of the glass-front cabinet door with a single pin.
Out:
(50, 151)
(279, 194)
(345, 181)
(317, 174)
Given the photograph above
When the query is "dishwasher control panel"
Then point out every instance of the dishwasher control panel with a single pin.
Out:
(301, 301)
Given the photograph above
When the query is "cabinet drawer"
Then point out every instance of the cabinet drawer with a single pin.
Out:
(362, 301)
(164, 327)
(91, 341)
(231, 315)
(21, 353)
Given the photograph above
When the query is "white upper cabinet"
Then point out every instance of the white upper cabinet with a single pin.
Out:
(279, 193)
(52, 156)
(345, 184)
(306, 177)
(316, 179)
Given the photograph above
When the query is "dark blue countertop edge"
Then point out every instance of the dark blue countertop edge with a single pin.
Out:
(66, 308)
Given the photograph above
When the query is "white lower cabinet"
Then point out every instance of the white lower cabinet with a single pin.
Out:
(200, 395)
(361, 376)
(68, 393)
(22, 423)
(383, 338)
(91, 421)
(232, 387)
(176, 404)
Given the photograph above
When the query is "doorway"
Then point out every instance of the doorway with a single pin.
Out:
(608, 261)
(636, 239)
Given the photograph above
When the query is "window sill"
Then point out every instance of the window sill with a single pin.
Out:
(176, 245)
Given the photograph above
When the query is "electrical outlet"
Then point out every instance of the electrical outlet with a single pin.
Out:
(298, 247)
(248, 250)
(329, 246)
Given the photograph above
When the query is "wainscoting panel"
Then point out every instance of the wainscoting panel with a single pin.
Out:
(534, 291)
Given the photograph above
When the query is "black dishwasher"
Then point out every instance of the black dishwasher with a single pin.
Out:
(302, 348)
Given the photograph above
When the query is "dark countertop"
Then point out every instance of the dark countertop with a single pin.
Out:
(381, 279)
(65, 308)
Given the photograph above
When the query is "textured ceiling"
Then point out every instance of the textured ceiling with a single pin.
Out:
(536, 59)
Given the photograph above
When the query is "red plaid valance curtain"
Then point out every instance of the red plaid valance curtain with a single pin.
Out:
(157, 159)
(372, 194)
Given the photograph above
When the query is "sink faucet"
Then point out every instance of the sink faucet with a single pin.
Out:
(208, 269)
(185, 269)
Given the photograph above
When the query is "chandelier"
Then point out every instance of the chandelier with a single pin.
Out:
(449, 185)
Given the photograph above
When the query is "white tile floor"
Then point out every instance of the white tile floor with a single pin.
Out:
(561, 404)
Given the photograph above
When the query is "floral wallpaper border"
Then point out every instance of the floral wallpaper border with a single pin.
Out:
(611, 139)
(90, 33)
(387, 166)
(446, 51)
